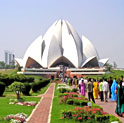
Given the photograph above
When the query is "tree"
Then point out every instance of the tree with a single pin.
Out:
(114, 64)
(2, 65)
(108, 66)
(17, 87)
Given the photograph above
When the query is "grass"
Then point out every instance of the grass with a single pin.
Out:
(57, 109)
(9, 71)
(6, 108)
(113, 73)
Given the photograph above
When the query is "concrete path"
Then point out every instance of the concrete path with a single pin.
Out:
(109, 107)
(42, 111)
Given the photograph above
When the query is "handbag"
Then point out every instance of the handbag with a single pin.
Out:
(115, 91)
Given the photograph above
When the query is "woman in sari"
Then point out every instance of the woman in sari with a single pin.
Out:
(95, 90)
(83, 88)
(113, 89)
(120, 100)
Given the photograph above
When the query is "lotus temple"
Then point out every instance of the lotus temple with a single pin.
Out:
(62, 50)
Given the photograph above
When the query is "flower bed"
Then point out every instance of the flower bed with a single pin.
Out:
(64, 88)
(73, 98)
(86, 113)
(24, 103)
(69, 115)
(18, 118)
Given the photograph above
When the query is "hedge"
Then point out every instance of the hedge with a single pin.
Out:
(9, 79)
(2, 88)
(36, 86)
(26, 89)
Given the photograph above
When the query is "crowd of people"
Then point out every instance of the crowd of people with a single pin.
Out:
(103, 89)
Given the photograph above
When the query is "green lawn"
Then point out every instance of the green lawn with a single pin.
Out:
(113, 73)
(9, 71)
(6, 108)
(57, 109)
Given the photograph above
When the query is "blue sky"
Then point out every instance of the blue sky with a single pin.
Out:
(101, 21)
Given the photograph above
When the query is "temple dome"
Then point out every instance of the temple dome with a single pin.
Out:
(61, 45)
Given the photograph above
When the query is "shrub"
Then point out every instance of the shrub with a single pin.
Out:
(102, 118)
(34, 87)
(26, 89)
(70, 101)
(2, 88)
(8, 80)
(23, 78)
(86, 114)
(67, 114)
(76, 102)
(69, 93)
(83, 103)
(17, 87)
(56, 79)
(113, 118)
(74, 90)
(63, 90)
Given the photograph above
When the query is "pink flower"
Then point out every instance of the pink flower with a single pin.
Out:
(79, 118)
(104, 113)
(74, 115)
(62, 117)
(88, 118)
(94, 112)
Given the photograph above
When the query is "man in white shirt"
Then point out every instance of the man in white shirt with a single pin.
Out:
(105, 88)
(79, 83)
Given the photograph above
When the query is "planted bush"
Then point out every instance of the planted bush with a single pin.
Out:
(75, 90)
(73, 99)
(17, 87)
(101, 118)
(34, 87)
(8, 80)
(26, 89)
(2, 88)
(70, 101)
(86, 114)
(23, 78)
(73, 94)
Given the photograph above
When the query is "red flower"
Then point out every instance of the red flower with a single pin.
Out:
(94, 112)
(74, 115)
(79, 118)
(62, 117)
(104, 113)
(88, 118)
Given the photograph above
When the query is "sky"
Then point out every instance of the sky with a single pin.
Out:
(101, 21)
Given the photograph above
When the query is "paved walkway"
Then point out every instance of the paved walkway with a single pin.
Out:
(109, 107)
(42, 112)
